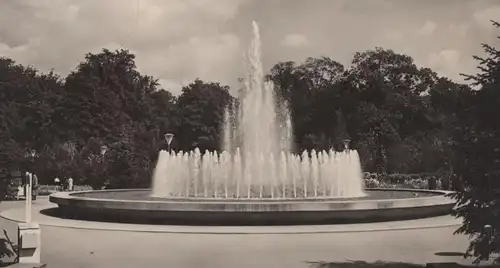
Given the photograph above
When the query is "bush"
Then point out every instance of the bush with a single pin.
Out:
(50, 189)
(408, 181)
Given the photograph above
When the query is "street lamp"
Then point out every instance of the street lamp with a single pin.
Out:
(104, 148)
(33, 153)
(346, 144)
(168, 138)
(488, 231)
(28, 189)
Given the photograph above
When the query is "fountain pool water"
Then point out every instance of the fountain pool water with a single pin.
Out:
(256, 180)
(257, 162)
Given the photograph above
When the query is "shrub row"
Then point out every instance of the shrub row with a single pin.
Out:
(408, 181)
(50, 189)
(371, 180)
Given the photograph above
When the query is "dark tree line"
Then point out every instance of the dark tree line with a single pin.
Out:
(105, 102)
(400, 117)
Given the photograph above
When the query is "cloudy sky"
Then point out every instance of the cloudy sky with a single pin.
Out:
(180, 40)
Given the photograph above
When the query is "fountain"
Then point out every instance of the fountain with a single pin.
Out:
(256, 179)
(261, 165)
(322, 175)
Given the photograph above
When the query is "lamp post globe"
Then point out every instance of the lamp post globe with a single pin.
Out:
(168, 139)
(346, 142)
(104, 149)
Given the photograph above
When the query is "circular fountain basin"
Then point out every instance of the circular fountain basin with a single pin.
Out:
(137, 206)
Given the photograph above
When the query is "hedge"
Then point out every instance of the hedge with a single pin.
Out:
(408, 181)
(371, 180)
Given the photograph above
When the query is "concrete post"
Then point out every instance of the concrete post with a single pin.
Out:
(29, 233)
(27, 206)
(29, 242)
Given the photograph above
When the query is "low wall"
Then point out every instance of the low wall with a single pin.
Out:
(251, 212)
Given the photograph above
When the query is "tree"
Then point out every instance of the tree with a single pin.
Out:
(201, 109)
(477, 143)
(104, 95)
(383, 99)
(26, 110)
(449, 102)
(386, 102)
(125, 168)
(311, 92)
(164, 112)
(10, 157)
(27, 113)
(400, 117)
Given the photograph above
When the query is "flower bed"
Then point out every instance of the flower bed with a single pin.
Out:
(50, 189)
(408, 181)
(371, 180)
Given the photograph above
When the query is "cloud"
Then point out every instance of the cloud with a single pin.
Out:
(394, 36)
(427, 29)
(172, 86)
(173, 39)
(177, 41)
(197, 57)
(484, 16)
(295, 40)
(445, 61)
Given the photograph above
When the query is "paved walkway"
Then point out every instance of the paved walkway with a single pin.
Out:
(67, 247)
(18, 214)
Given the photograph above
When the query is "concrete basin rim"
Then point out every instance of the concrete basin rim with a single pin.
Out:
(245, 230)
(440, 196)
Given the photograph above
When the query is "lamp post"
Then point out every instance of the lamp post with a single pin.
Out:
(29, 252)
(29, 187)
(104, 149)
(487, 238)
(168, 138)
(488, 231)
(346, 144)
(29, 182)
(31, 155)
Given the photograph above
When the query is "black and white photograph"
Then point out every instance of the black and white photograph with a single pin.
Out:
(249, 133)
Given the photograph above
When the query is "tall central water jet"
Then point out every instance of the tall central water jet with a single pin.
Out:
(257, 162)
(258, 126)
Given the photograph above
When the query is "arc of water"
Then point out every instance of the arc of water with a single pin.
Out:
(225, 171)
(187, 183)
(273, 175)
(248, 178)
(295, 172)
(284, 173)
(304, 168)
(237, 171)
(314, 172)
(261, 162)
